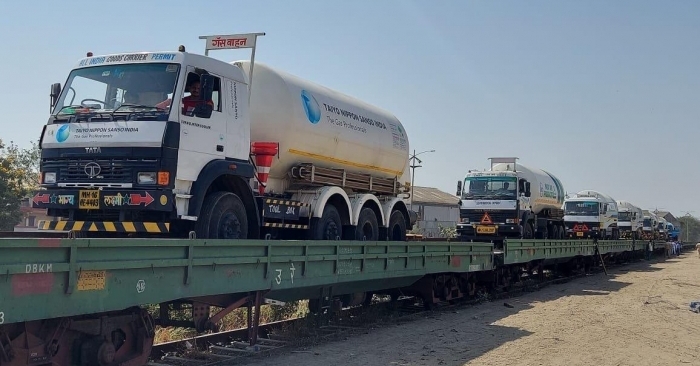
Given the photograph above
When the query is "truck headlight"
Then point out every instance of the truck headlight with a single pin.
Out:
(147, 178)
(464, 220)
(510, 221)
(50, 177)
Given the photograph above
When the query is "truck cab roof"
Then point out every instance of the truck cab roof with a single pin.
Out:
(210, 64)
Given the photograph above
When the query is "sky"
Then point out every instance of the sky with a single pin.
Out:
(604, 95)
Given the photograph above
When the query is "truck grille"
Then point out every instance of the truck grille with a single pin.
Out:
(496, 216)
(110, 170)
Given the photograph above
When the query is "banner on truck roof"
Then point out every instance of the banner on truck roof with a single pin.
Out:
(232, 41)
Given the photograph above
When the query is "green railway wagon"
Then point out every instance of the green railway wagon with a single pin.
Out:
(556, 251)
(49, 278)
(69, 295)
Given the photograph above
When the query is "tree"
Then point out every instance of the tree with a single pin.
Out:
(19, 175)
(26, 162)
(690, 229)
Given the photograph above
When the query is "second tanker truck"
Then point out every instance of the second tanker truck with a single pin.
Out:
(591, 214)
(172, 143)
(510, 201)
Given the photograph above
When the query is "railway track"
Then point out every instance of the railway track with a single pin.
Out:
(232, 347)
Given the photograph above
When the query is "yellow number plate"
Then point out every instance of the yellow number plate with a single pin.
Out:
(485, 229)
(580, 233)
(89, 200)
(92, 280)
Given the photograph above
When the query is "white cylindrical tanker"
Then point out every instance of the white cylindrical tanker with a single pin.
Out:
(314, 124)
(546, 191)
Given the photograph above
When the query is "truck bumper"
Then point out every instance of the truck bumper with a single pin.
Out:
(106, 226)
(498, 232)
(105, 210)
(107, 199)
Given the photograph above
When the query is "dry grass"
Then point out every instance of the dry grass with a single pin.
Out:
(234, 320)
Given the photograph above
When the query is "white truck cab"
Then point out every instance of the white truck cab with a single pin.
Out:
(591, 214)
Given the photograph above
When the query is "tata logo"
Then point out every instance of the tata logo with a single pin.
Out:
(93, 150)
(93, 169)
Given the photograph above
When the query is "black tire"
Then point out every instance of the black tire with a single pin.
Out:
(397, 227)
(528, 231)
(223, 216)
(367, 226)
(329, 226)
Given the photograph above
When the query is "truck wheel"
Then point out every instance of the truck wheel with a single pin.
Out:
(397, 226)
(329, 226)
(223, 216)
(367, 226)
(528, 232)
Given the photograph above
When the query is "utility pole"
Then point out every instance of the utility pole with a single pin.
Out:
(413, 167)
(686, 227)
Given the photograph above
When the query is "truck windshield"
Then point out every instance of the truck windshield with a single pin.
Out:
(121, 88)
(581, 208)
(625, 216)
(490, 188)
(646, 222)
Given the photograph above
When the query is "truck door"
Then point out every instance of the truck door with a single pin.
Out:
(198, 134)
(237, 122)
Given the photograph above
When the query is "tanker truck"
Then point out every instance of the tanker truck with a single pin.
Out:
(649, 226)
(591, 214)
(672, 230)
(661, 228)
(629, 220)
(181, 144)
(510, 201)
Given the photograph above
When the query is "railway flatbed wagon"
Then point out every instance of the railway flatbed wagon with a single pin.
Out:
(57, 294)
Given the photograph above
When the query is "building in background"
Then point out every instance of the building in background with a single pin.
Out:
(435, 209)
(668, 217)
(30, 216)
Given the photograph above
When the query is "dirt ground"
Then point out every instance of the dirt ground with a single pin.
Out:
(638, 315)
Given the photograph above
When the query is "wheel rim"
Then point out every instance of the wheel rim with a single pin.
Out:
(230, 226)
(332, 231)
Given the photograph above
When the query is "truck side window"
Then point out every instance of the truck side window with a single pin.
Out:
(191, 95)
(216, 94)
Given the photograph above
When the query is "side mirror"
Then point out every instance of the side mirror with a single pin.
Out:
(55, 92)
(203, 109)
(459, 188)
(527, 189)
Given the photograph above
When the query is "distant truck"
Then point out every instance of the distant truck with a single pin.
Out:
(172, 143)
(672, 230)
(649, 226)
(510, 201)
(591, 214)
(661, 228)
(629, 220)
